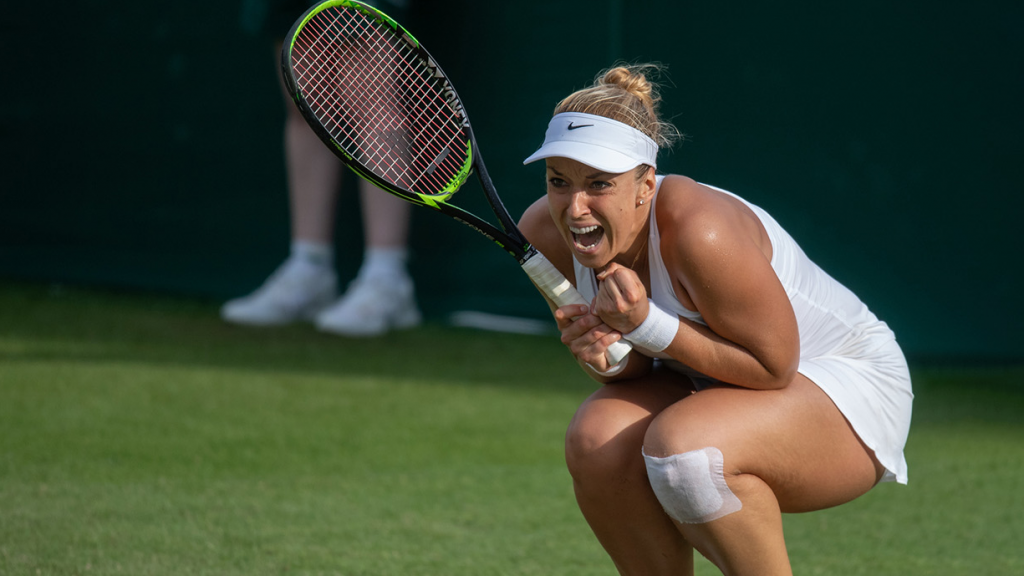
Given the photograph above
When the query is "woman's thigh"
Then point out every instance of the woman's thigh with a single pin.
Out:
(794, 439)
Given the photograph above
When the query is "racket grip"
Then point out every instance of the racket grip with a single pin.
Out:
(562, 293)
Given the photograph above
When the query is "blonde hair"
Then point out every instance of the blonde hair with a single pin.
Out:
(626, 94)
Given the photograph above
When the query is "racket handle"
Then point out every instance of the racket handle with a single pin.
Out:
(562, 293)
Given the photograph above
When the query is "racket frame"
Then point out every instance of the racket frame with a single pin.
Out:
(540, 270)
(508, 235)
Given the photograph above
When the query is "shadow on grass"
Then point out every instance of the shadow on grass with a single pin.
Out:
(47, 323)
(83, 325)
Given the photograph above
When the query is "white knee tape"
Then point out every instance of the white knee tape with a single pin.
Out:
(691, 486)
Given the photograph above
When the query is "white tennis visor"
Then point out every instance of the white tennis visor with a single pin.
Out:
(599, 142)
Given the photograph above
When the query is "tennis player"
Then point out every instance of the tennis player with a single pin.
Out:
(758, 384)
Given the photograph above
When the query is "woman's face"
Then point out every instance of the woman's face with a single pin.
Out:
(597, 213)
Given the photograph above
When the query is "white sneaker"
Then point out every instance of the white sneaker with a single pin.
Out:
(297, 290)
(371, 307)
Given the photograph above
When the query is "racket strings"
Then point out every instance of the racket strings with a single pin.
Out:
(345, 121)
(325, 77)
(380, 100)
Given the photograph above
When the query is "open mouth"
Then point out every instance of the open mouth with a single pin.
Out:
(586, 238)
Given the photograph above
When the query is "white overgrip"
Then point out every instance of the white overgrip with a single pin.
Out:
(562, 293)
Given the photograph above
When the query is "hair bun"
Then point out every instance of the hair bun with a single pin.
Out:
(632, 81)
(627, 93)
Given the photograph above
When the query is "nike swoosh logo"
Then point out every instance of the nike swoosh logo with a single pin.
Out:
(571, 127)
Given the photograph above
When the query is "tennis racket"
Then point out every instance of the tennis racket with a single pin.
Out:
(382, 104)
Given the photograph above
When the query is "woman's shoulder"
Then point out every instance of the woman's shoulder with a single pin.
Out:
(683, 203)
(693, 217)
(682, 191)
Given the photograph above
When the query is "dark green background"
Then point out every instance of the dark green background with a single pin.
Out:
(142, 148)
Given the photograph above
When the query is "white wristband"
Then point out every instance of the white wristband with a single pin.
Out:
(611, 371)
(657, 330)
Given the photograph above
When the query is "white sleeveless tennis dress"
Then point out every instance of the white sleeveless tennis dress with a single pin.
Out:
(844, 349)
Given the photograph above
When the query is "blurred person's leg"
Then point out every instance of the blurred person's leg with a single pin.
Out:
(305, 284)
(382, 296)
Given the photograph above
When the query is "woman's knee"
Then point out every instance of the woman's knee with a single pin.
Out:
(685, 465)
(680, 429)
(607, 432)
(603, 440)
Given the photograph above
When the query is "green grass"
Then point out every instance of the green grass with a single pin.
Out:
(139, 435)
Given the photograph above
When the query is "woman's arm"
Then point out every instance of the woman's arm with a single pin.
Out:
(715, 250)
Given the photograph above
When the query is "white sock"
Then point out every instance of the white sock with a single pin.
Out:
(314, 253)
(383, 263)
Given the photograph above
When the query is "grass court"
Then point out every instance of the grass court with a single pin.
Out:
(140, 435)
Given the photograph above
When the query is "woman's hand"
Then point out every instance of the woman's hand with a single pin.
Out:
(621, 300)
(586, 335)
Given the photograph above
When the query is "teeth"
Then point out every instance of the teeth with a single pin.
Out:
(578, 233)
